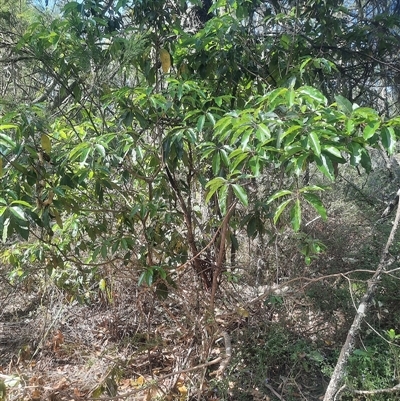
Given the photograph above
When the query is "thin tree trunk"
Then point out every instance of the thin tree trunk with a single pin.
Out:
(348, 346)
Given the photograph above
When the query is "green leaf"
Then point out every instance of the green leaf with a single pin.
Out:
(280, 209)
(355, 153)
(313, 141)
(388, 139)
(6, 141)
(316, 203)
(102, 284)
(263, 133)
(279, 194)
(224, 157)
(366, 161)
(344, 105)
(312, 93)
(17, 212)
(350, 124)
(6, 224)
(100, 149)
(211, 119)
(311, 188)
(22, 203)
(213, 186)
(200, 123)
(7, 126)
(370, 129)
(277, 97)
(240, 194)
(325, 165)
(295, 215)
(333, 151)
(216, 163)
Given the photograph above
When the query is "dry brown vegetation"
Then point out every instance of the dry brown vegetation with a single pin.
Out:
(268, 339)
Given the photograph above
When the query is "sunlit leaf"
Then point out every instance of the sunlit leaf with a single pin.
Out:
(279, 194)
(370, 129)
(45, 142)
(325, 165)
(213, 186)
(280, 209)
(314, 143)
(17, 212)
(102, 284)
(240, 194)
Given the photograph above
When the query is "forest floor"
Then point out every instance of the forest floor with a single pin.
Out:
(130, 345)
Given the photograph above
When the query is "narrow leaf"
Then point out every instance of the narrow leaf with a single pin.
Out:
(240, 194)
(295, 215)
(280, 209)
(200, 123)
(324, 165)
(279, 194)
(313, 141)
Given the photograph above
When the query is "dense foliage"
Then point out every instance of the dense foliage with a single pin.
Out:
(139, 113)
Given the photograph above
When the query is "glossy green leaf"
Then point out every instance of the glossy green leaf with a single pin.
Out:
(295, 215)
(279, 194)
(200, 123)
(366, 161)
(388, 138)
(280, 209)
(333, 151)
(325, 165)
(314, 143)
(6, 141)
(316, 203)
(240, 194)
(312, 93)
(355, 153)
(17, 212)
(370, 129)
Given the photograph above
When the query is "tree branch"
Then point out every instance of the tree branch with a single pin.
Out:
(349, 344)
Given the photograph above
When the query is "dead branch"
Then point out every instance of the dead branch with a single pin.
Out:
(365, 303)
(393, 389)
(228, 354)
